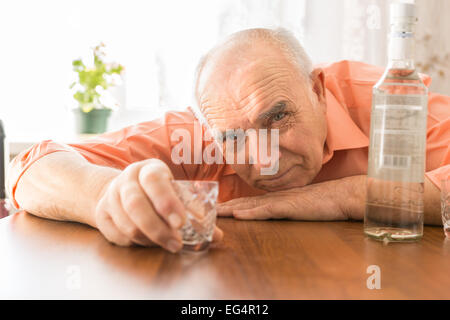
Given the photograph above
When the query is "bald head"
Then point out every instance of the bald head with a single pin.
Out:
(238, 46)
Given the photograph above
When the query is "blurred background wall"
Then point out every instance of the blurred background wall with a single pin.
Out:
(160, 43)
(433, 42)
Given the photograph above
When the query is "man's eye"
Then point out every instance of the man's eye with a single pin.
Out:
(279, 116)
(234, 136)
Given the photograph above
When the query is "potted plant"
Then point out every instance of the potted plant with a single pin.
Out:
(94, 101)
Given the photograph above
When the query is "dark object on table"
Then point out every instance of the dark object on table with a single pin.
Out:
(3, 203)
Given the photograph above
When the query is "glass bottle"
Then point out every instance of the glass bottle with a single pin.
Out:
(396, 168)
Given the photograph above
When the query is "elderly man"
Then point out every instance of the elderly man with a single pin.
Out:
(120, 182)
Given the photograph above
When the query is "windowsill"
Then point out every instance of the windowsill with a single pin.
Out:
(120, 119)
(16, 147)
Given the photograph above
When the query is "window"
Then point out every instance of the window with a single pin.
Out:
(158, 42)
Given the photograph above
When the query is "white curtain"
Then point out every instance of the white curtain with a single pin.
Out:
(433, 43)
(159, 43)
(348, 29)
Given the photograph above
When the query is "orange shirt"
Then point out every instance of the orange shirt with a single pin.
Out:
(348, 92)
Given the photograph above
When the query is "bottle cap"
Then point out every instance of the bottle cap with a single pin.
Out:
(402, 10)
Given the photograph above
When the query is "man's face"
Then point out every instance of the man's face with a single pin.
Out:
(262, 89)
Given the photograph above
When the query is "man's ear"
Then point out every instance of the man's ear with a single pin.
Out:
(318, 84)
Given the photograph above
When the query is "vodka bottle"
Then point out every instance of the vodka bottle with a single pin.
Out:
(395, 178)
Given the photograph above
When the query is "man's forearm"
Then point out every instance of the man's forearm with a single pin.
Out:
(63, 186)
(352, 201)
(432, 203)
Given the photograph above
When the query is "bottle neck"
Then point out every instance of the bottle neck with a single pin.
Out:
(401, 47)
(407, 64)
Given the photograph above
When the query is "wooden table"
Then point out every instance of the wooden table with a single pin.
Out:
(257, 260)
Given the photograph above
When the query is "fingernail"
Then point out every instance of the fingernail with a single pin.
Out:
(175, 220)
(174, 246)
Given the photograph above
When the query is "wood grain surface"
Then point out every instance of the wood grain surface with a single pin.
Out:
(257, 260)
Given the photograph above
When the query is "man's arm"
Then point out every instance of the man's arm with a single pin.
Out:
(135, 206)
(63, 186)
(354, 205)
(340, 199)
(118, 182)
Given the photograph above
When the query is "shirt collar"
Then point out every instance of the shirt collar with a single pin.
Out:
(343, 133)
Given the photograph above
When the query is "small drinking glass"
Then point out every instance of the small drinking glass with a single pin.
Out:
(445, 205)
(199, 199)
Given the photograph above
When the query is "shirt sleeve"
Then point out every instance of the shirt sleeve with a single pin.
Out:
(118, 149)
(438, 138)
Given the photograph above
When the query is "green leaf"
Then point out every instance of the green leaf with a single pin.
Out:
(89, 79)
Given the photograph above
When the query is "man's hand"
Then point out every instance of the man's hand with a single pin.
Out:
(140, 206)
(340, 199)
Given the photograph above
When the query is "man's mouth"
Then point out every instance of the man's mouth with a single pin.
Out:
(280, 175)
(279, 181)
(289, 179)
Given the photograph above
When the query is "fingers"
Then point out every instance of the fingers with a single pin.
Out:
(259, 213)
(124, 223)
(227, 208)
(110, 231)
(269, 206)
(272, 206)
(224, 211)
(141, 206)
(157, 184)
(140, 211)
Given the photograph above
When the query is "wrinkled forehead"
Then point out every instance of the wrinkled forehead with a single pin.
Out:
(234, 91)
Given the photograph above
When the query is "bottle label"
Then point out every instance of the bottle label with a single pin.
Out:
(397, 146)
(397, 118)
(394, 161)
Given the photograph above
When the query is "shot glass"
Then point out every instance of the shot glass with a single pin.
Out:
(445, 205)
(199, 199)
